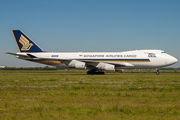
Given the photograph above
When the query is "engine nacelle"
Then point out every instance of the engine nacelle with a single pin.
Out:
(80, 65)
(77, 64)
(110, 68)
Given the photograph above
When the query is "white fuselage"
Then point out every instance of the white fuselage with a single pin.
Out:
(138, 59)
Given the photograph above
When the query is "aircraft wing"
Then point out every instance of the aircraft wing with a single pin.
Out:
(23, 55)
(95, 63)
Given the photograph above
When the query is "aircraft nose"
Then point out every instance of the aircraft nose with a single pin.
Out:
(171, 60)
(175, 60)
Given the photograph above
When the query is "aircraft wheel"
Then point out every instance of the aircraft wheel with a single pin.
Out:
(89, 72)
(157, 73)
(102, 73)
(93, 72)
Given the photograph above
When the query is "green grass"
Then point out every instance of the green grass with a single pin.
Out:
(127, 96)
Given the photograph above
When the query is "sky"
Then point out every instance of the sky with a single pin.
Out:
(90, 26)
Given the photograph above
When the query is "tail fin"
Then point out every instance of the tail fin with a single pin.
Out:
(24, 43)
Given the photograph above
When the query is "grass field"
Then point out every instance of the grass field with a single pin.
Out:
(75, 95)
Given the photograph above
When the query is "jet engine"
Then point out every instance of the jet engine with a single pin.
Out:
(80, 65)
(108, 67)
(77, 64)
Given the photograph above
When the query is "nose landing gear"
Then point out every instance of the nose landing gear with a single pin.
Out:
(157, 72)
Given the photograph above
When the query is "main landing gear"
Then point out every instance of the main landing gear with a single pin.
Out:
(157, 72)
(95, 72)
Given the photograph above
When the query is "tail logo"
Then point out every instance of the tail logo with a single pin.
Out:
(25, 43)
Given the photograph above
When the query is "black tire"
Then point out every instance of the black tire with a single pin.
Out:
(157, 73)
(93, 72)
(102, 73)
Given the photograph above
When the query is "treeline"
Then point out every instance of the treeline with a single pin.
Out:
(28, 68)
(53, 68)
(169, 69)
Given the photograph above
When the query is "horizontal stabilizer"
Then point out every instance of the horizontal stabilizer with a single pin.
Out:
(23, 55)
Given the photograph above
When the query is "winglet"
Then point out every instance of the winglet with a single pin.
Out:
(24, 43)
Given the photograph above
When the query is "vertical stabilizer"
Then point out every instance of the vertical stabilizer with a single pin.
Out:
(24, 43)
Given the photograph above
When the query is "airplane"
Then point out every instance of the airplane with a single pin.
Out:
(94, 62)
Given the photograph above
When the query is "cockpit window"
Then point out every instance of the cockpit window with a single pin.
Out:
(163, 52)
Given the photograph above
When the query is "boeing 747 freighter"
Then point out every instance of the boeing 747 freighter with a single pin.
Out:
(94, 62)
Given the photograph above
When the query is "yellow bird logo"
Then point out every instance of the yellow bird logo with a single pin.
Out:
(25, 43)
